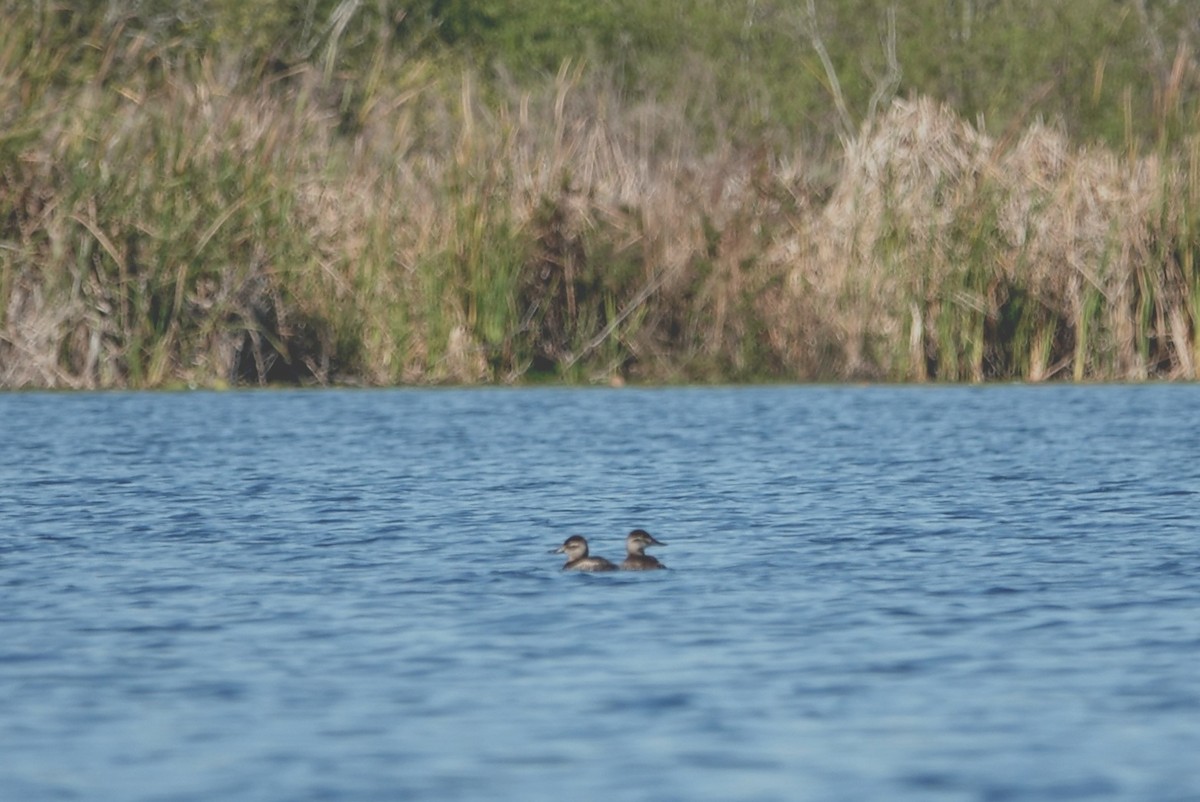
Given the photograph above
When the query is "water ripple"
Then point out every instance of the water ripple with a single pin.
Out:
(875, 593)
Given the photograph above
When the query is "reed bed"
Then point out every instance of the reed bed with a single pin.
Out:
(949, 255)
(191, 231)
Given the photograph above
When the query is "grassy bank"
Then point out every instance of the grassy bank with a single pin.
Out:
(351, 194)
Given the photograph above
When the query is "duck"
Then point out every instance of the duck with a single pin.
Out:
(576, 549)
(636, 558)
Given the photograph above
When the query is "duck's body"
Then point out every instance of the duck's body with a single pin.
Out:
(589, 564)
(636, 558)
(641, 562)
(576, 549)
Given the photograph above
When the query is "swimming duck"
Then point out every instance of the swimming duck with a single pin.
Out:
(576, 549)
(635, 547)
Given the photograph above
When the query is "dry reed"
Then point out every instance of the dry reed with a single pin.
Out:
(949, 255)
(191, 233)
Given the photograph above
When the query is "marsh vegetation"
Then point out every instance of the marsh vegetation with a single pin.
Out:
(360, 191)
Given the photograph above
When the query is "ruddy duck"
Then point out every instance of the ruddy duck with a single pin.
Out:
(576, 549)
(635, 547)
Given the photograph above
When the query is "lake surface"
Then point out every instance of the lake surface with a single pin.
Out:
(875, 594)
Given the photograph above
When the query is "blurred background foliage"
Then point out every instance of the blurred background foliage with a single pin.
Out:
(383, 191)
(1101, 67)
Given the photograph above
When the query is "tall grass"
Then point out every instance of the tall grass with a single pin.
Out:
(181, 224)
(954, 256)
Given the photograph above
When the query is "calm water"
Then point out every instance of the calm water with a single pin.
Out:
(875, 594)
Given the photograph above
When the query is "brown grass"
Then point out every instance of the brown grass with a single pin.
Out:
(189, 233)
(946, 254)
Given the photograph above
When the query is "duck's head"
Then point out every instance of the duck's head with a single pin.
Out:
(637, 541)
(575, 547)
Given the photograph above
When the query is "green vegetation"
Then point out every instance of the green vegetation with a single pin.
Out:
(364, 191)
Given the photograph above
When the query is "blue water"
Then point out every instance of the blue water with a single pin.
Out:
(875, 594)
